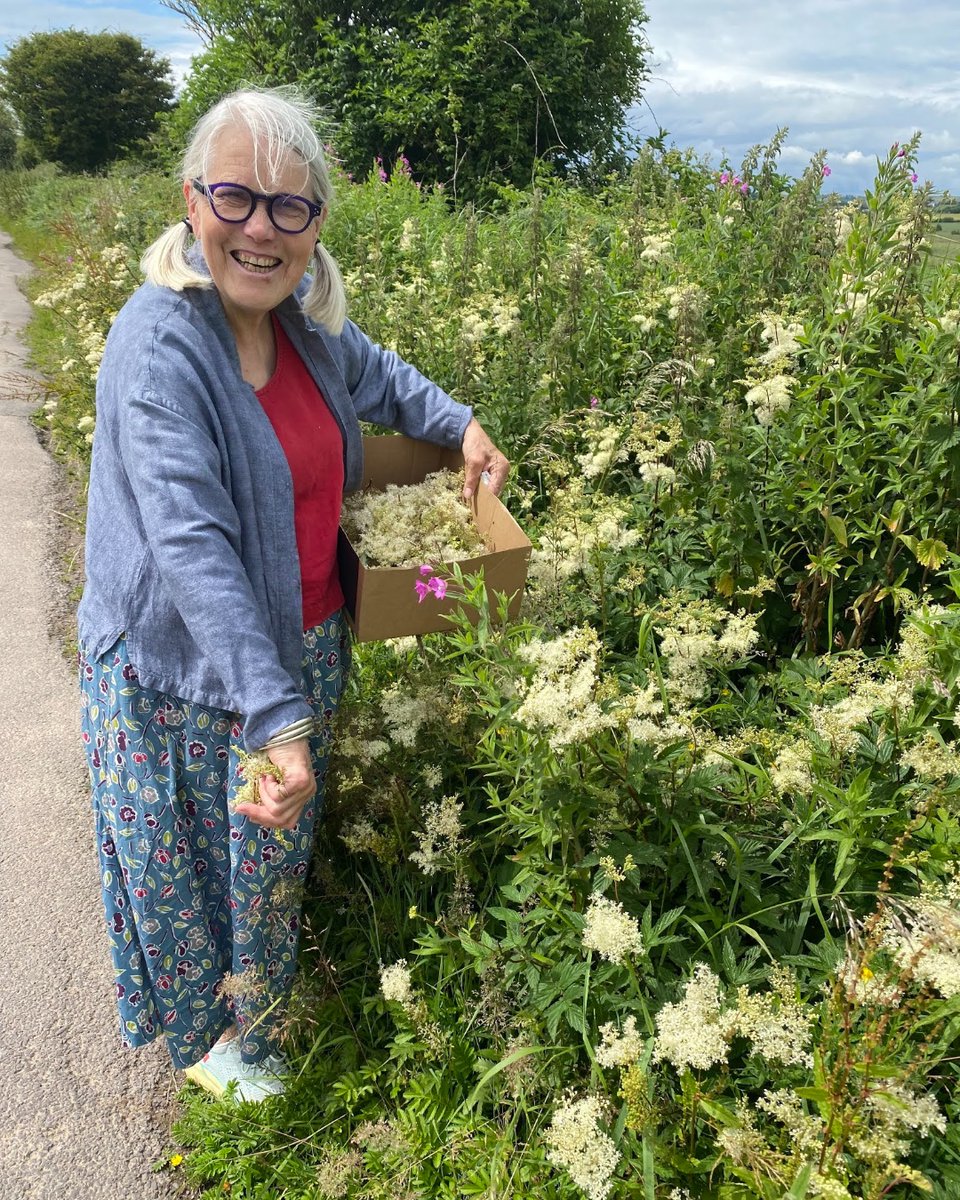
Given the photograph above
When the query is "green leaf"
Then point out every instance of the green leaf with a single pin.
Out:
(931, 553)
(837, 528)
(799, 1189)
(492, 1072)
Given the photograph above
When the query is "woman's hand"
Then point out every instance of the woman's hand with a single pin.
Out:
(480, 454)
(282, 804)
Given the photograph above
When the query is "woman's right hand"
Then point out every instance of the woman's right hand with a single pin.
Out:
(282, 804)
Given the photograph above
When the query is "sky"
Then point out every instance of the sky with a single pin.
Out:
(847, 76)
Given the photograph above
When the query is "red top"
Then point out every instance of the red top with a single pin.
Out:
(313, 444)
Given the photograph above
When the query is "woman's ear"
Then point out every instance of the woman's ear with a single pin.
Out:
(190, 195)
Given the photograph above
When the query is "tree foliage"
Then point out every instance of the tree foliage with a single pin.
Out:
(8, 138)
(476, 90)
(84, 99)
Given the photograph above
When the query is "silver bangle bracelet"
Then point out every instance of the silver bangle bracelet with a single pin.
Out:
(285, 741)
(292, 733)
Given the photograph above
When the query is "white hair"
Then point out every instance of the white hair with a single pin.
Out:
(281, 121)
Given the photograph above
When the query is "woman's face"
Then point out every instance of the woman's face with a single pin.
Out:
(253, 264)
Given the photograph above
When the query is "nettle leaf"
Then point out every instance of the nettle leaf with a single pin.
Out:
(932, 553)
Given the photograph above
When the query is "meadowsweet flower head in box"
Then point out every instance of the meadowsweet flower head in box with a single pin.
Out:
(406, 524)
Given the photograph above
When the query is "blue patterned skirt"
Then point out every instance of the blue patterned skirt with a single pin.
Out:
(203, 906)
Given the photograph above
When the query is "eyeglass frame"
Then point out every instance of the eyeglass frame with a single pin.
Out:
(209, 190)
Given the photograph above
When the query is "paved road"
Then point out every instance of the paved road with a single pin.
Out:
(80, 1117)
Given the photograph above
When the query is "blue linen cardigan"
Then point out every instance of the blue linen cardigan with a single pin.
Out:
(190, 543)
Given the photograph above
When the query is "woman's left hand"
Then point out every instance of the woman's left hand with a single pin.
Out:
(479, 455)
(281, 804)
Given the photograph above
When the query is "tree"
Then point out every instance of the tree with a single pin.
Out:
(471, 91)
(8, 138)
(84, 99)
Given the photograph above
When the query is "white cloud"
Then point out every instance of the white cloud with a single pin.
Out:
(852, 77)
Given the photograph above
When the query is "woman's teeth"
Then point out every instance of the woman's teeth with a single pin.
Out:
(253, 262)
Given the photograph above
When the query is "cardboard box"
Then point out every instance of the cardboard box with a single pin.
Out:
(382, 602)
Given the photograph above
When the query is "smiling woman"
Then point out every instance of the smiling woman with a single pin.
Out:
(229, 402)
(254, 262)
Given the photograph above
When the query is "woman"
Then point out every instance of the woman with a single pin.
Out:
(227, 430)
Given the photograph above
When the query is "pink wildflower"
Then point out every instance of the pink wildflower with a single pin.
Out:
(426, 569)
(438, 586)
(724, 177)
(421, 589)
(826, 171)
(913, 177)
(594, 401)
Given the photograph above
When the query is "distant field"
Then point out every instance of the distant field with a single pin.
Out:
(945, 235)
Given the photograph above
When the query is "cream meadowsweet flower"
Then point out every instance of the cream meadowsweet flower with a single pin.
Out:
(578, 1145)
(791, 773)
(610, 931)
(655, 246)
(440, 839)
(406, 712)
(781, 339)
(776, 1022)
(899, 1106)
(786, 1107)
(695, 635)
(396, 984)
(692, 1032)
(560, 699)
(604, 450)
(742, 1143)
(927, 941)
(658, 474)
(619, 1048)
(769, 397)
(828, 1187)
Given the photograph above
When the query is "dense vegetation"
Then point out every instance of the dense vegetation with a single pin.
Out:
(652, 893)
(83, 99)
(468, 92)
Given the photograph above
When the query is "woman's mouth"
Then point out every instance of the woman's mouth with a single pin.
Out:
(257, 264)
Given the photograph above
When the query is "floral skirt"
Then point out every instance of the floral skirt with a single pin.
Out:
(203, 906)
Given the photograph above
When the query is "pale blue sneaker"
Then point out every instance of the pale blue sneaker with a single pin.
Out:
(222, 1066)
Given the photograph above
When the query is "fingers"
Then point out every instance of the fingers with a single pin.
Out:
(286, 817)
(471, 477)
(497, 470)
(482, 458)
(282, 802)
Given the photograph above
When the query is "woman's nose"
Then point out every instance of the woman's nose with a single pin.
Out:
(258, 224)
